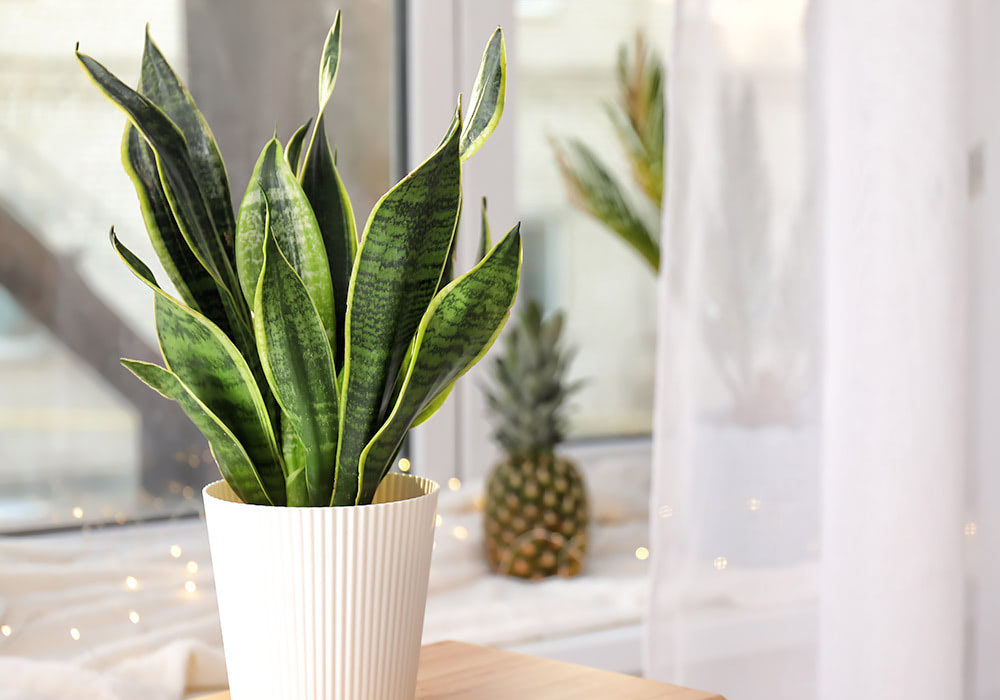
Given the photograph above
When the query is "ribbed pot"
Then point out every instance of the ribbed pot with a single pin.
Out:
(323, 603)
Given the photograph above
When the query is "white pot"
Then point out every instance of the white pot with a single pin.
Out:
(323, 602)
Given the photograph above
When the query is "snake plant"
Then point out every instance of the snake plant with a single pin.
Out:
(303, 353)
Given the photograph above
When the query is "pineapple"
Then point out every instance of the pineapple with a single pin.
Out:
(536, 502)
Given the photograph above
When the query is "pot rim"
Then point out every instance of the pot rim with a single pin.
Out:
(431, 489)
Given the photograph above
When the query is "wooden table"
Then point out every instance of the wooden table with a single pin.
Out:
(458, 671)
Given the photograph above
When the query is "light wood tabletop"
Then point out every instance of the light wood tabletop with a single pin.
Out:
(459, 671)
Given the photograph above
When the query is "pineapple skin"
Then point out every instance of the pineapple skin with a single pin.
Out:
(536, 518)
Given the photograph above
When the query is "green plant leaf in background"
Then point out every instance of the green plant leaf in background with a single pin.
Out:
(234, 463)
(396, 274)
(274, 195)
(488, 96)
(298, 363)
(293, 151)
(594, 189)
(211, 367)
(458, 328)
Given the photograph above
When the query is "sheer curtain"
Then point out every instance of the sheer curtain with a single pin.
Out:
(826, 506)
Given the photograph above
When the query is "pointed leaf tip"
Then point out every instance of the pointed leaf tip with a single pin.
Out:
(329, 63)
(488, 96)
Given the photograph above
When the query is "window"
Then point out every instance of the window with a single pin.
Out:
(566, 63)
(81, 441)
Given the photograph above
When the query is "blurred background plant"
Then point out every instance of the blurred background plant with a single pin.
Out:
(751, 301)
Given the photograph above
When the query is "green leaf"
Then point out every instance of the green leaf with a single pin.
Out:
(298, 364)
(208, 363)
(457, 330)
(235, 464)
(488, 95)
(294, 149)
(326, 192)
(274, 192)
(329, 63)
(396, 273)
(595, 190)
(193, 282)
(164, 88)
(485, 239)
(180, 183)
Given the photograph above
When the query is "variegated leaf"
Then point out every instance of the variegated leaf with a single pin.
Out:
(293, 151)
(458, 328)
(234, 463)
(397, 270)
(195, 285)
(164, 88)
(488, 96)
(298, 363)
(329, 64)
(274, 192)
(208, 363)
(180, 183)
(335, 216)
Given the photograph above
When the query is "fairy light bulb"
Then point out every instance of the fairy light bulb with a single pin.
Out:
(454, 483)
(175, 551)
(131, 583)
(133, 617)
(6, 630)
(190, 586)
(74, 633)
(460, 533)
(78, 512)
(641, 553)
(192, 567)
(720, 563)
(404, 465)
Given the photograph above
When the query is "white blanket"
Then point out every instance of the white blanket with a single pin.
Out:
(67, 600)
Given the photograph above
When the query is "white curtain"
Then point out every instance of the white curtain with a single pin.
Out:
(826, 506)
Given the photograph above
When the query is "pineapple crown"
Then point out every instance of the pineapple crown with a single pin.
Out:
(530, 387)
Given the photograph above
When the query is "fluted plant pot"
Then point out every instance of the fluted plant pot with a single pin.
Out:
(323, 603)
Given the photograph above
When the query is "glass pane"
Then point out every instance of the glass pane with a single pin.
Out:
(567, 54)
(81, 441)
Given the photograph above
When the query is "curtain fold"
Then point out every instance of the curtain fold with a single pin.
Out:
(828, 379)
